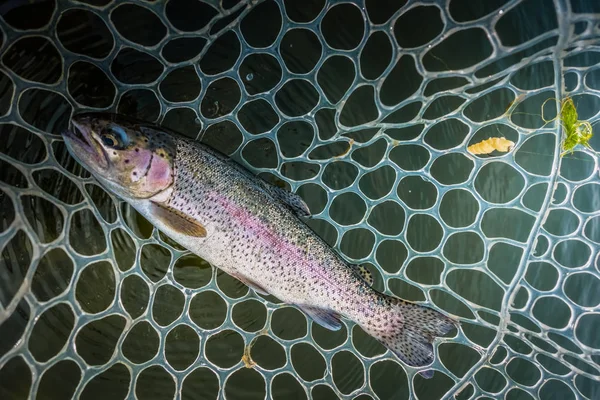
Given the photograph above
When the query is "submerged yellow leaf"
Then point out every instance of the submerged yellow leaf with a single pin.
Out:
(491, 144)
(247, 359)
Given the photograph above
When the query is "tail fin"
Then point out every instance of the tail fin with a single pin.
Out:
(409, 329)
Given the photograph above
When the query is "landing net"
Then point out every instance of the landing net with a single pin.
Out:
(365, 109)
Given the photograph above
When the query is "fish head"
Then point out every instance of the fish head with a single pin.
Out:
(130, 157)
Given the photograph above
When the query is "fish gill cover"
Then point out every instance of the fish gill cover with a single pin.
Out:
(365, 109)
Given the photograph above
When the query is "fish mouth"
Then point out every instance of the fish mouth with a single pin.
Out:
(84, 147)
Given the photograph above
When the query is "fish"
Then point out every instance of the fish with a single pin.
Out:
(253, 231)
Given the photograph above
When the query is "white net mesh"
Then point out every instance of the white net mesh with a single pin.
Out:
(363, 108)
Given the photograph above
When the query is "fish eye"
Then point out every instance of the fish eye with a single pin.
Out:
(108, 140)
(118, 136)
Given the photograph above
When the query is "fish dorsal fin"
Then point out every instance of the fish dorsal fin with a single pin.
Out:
(364, 273)
(323, 317)
(178, 221)
(291, 200)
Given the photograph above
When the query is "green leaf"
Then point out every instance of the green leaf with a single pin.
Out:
(568, 115)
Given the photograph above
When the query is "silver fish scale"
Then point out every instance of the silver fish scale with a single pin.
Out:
(369, 122)
(203, 181)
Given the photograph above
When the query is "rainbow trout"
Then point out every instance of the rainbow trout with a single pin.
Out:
(247, 228)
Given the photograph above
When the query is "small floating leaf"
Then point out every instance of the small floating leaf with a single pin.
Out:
(568, 115)
(576, 132)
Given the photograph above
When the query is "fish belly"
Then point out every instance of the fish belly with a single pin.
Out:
(268, 262)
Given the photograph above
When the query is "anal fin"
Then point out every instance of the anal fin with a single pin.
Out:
(427, 374)
(178, 221)
(326, 318)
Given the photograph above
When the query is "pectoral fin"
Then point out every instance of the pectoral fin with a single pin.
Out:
(323, 317)
(177, 221)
